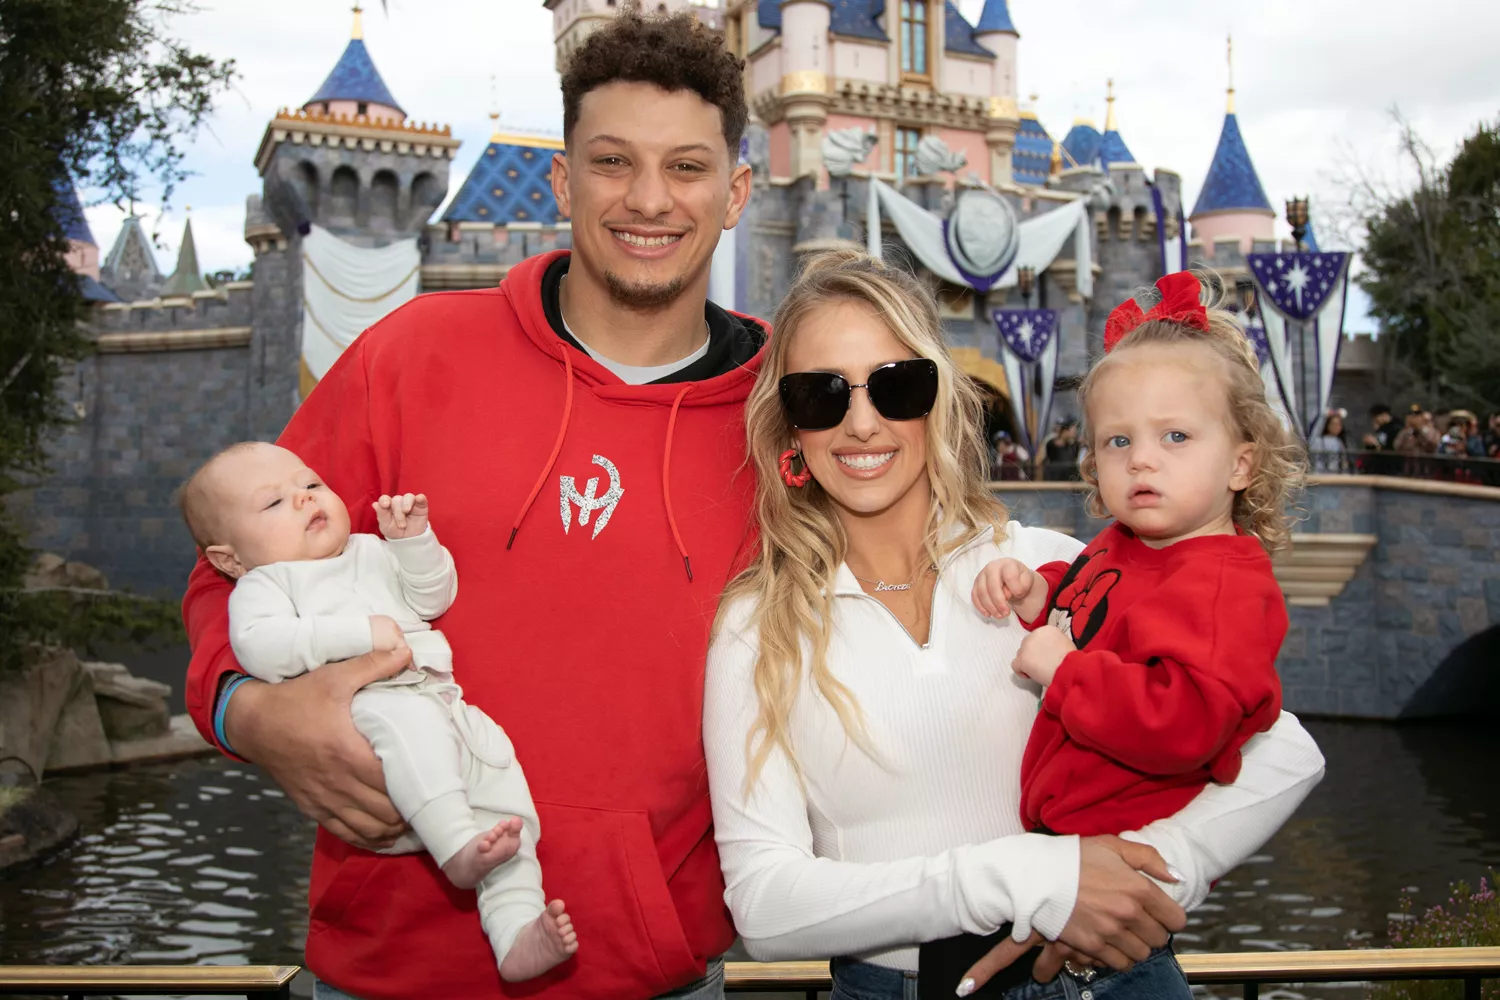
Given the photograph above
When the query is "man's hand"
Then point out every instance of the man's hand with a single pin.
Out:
(403, 516)
(1041, 653)
(1008, 584)
(385, 634)
(301, 732)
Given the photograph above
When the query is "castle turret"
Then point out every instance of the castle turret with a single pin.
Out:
(1112, 149)
(804, 80)
(574, 20)
(1232, 206)
(354, 88)
(130, 268)
(188, 278)
(83, 252)
(997, 33)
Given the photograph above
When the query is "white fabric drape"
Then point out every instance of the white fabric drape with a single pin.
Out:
(1033, 412)
(1042, 237)
(1279, 378)
(347, 289)
(1330, 334)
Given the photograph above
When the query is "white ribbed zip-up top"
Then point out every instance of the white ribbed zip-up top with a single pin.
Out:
(871, 857)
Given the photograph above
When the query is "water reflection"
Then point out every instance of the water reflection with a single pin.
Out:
(204, 861)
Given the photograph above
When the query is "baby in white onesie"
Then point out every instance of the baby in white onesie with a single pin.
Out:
(306, 593)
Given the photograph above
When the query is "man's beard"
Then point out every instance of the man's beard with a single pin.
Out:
(635, 295)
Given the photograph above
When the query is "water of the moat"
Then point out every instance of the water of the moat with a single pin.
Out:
(203, 861)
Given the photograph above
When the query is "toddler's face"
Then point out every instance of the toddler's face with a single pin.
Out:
(1168, 462)
(273, 508)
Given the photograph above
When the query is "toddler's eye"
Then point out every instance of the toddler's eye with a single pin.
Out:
(1119, 441)
(1176, 437)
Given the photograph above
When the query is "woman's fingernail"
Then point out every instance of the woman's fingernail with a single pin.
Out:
(1176, 875)
(966, 987)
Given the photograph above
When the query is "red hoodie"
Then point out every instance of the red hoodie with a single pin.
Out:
(586, 640)
(1175, 670)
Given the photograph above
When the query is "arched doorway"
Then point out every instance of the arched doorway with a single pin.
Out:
(988, 376)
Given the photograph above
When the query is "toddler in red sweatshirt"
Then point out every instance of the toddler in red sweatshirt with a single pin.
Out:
(1156, 647)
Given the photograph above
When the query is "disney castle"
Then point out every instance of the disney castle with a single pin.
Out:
(905, 97)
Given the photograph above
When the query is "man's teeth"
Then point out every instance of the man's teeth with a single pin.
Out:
(866, 462)
(645, 241)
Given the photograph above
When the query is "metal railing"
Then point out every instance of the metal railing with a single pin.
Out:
(1251, 970)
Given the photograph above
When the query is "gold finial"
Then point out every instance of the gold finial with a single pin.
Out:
(1109, 100)
(189, 209)
(1231, 73)
(494, 112)
(359, 24)
(1057, 157)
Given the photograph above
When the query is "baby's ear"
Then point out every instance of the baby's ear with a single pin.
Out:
(1244, 467)
(223, 559)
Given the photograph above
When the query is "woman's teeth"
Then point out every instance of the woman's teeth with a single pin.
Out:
(645, 241)
(866, 462)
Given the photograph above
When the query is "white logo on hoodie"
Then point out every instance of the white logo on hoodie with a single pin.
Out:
(587, 502)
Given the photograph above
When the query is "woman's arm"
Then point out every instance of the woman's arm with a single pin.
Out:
(1226, 824)
(788, 903)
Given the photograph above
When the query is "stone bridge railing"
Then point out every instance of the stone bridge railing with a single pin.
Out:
(1393, 587)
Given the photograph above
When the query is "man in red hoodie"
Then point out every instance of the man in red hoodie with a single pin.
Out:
(580, 431)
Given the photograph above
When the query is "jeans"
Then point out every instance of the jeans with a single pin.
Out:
(1157, 978)
(710, 987)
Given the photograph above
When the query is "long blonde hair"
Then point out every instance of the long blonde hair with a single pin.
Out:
(1278, 463)
(801, 543)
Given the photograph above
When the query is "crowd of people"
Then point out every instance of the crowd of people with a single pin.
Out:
(1333, 448)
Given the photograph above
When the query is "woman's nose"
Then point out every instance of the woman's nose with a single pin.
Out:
(863, 420)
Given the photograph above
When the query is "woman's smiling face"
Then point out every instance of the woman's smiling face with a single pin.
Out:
(866, 463)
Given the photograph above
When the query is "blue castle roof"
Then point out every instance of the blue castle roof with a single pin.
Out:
(511, 182)
(69, 213)
(1031, 160)
(960, 35)
(1232, 184)
(996, 17)
(1082, 144)
(1112, 149)
(355, 78)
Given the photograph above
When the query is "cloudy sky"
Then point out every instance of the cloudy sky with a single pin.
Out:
(1316, 81)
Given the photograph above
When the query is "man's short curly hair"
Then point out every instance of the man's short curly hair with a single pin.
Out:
(674, 52)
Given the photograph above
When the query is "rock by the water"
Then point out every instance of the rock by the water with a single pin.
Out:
(33, 827)
(31, 703)
(52, 570)
(131, 708)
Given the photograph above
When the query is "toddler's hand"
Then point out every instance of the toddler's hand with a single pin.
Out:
(1041, 653)
(403, 516)
(385, 634)
(1005, 584)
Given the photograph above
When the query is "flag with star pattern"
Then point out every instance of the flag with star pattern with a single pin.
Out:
(1298, 284)
(1027, 332)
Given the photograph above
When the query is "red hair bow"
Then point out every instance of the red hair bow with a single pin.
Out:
(1179, 304)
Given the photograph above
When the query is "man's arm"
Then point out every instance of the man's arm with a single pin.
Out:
(300, 731)
(1226, 824)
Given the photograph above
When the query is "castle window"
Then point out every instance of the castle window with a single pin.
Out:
(914, 41)
(364, 108)
(906, 152)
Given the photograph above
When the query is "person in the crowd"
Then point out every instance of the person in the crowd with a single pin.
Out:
(1329, 446)
(1492, 436)
(593, 401)
(1008, 460)
(863, 729)
(1062, 451)
(1419, 436)
(1156, 647)
(1383, 429)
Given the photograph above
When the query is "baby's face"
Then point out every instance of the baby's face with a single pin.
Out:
(273, 508)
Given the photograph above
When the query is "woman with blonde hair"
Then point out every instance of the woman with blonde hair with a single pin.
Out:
(862, 725)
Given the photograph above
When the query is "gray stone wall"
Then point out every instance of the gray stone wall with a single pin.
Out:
(1384, 647)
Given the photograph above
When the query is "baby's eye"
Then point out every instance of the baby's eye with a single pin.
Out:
(314, 486)
(1119, 441)
(1176, 437)
(273, 503)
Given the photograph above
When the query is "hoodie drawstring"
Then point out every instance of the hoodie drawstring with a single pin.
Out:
(666, 481)
(562, 432)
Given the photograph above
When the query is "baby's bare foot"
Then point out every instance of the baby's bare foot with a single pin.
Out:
(486, 852)
(543, 944)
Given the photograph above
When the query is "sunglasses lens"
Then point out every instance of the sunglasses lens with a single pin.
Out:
(814, 401)
(905, 390)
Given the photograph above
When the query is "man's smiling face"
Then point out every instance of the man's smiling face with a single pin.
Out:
(649, 182)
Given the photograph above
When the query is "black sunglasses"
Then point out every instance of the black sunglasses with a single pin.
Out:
(902, 390)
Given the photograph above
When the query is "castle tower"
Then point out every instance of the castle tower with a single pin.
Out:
(1232, 208)
(188, 278)
(83, 252)
(130, 268)
(997, 33)
(574, 20)
(804, 80)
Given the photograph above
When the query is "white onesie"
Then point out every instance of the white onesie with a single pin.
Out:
(449, 768)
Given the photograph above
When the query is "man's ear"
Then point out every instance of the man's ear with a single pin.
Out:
(739, 194)
(560, 184)
(223, 559)
(1244, 467)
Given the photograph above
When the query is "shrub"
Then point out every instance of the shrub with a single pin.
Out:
(1470, 919)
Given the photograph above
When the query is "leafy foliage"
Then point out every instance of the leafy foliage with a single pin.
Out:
(1470, 919)
(1432, 260)
(94, 93)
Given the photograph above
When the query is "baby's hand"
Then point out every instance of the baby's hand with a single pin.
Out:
(403, 516)
(385, 634)
(1007, 584)
(1041, 653)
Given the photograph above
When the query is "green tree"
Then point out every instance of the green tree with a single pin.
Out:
(96, 93)
(1432, 270)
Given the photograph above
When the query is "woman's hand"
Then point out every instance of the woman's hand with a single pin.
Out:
(1041, 653)
(1009, 584)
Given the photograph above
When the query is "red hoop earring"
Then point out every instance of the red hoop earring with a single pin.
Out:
(797, 479)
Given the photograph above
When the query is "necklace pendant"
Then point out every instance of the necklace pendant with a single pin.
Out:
(882, 585)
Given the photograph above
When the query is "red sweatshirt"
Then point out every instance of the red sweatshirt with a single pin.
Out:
(586, 640)
(1175, 670)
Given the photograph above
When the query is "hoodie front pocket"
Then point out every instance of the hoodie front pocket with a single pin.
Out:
(604, 865)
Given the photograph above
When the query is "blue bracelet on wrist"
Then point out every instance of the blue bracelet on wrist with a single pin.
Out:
(224, 704)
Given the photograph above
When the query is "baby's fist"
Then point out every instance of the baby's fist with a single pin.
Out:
(1041, 653)
(385, 634)
(402, 516)
(1001, 584)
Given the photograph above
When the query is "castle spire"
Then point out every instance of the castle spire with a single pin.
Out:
(494, 112)
(188, 278)
(359, 24)
(1109, 100)
(1230, 42)
(995, 17)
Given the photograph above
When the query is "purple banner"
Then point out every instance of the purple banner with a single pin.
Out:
(1297, 284)
(1027, 332)
(1257, 335)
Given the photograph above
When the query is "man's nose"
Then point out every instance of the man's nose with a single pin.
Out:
(649, 195)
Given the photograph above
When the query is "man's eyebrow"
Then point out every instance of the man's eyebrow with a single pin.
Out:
(692, 147)
(608, 138)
